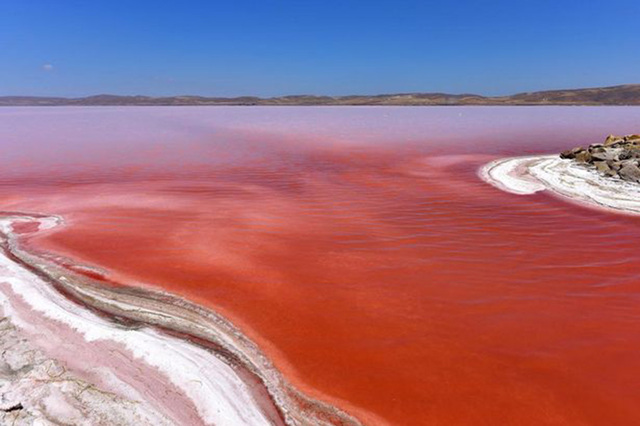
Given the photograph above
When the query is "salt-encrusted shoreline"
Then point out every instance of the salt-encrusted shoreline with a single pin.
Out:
(167, 358)
(568, 179)
(36, 389)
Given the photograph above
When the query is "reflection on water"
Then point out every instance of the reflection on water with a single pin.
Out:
(358, 247)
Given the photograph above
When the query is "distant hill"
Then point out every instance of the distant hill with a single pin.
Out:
(617, 95)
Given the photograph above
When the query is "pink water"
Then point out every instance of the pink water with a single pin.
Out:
(358, 248)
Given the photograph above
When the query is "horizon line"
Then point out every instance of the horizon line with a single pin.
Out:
(183, 95)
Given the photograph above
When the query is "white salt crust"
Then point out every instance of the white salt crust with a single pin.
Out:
(219, 395)
(576, 182)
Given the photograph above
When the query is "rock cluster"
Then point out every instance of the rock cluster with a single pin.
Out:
(617, 157)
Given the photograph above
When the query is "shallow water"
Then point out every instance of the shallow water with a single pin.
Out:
(358, 247)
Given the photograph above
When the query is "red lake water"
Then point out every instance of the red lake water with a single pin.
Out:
(358, 247)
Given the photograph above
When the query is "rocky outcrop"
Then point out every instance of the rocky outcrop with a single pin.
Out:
(618, 157)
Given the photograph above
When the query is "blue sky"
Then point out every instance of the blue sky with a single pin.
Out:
(270, 48)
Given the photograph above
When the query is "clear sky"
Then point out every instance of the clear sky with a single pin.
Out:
(270, 48)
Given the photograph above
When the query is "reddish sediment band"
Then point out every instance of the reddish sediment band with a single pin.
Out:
(187, 364)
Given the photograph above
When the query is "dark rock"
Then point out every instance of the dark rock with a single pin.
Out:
(615, 165)
(603, 168)
(630, 171)
(15, 407)
(633, 151)
(567, 155)
(611, 139)
(571, 153)
(611, 154)
(583, 157)
(625, 155)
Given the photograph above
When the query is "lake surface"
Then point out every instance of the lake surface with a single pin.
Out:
(358, 247)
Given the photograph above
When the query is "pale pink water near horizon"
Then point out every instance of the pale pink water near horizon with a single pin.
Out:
(358, 247)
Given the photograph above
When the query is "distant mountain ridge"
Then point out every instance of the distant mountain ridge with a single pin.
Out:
(628, 94)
